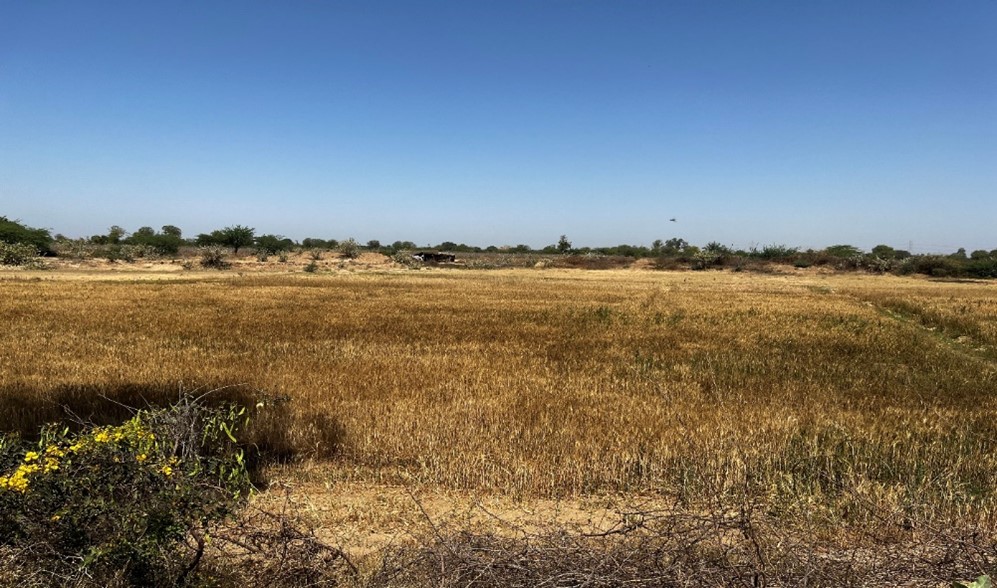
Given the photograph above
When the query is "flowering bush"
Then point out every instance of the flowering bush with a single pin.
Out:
(132, 504)
(16, 253)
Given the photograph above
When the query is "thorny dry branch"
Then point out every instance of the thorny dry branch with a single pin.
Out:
(675, 547)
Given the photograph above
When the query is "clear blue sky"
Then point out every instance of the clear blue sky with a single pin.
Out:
(805, 123)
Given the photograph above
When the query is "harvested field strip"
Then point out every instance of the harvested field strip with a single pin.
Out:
(553, 383)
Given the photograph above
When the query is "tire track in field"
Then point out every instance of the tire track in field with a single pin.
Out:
(966, 342)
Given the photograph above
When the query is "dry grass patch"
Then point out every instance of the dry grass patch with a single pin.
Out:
(832, 400)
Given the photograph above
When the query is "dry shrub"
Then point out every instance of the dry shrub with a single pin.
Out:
(273, 546)
(350, 249)
(213, 258)
(715, 545)
(669, 262)
(273, 435)
(593, 262)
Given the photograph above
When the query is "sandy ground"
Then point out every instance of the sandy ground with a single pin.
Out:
(362, 518)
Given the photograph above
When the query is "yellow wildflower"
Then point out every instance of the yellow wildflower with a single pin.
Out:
(30, 456)
(102, 437)
(51, 464)
(167, 471)
(54, 450)
(141, 457)
(76, 446)
(55, 518)
(18, 481)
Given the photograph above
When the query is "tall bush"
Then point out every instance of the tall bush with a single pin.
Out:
(213, 258)
(350, 249)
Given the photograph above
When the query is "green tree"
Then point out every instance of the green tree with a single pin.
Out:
(884, 252)
(14, 232)
(236, 237)
(170, 240)
(208, 239)
(144, 233)
(373, 244)
(563, 245)
(674, 246)
(115, 234)
(843, 251)
(172, 231)
(273, 244)
(716, 248)
(164, 243)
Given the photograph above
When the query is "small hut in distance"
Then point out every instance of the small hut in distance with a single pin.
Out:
(434, 257)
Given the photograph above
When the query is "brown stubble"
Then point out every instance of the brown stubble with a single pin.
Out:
(800, 390)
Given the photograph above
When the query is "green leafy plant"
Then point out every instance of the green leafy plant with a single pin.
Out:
(131, 504)
(983, 581)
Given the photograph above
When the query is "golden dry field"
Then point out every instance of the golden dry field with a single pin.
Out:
(829, 399)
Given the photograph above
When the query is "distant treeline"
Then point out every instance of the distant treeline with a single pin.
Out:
(672, 253)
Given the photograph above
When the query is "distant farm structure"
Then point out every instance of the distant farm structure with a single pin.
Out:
(433, 257)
